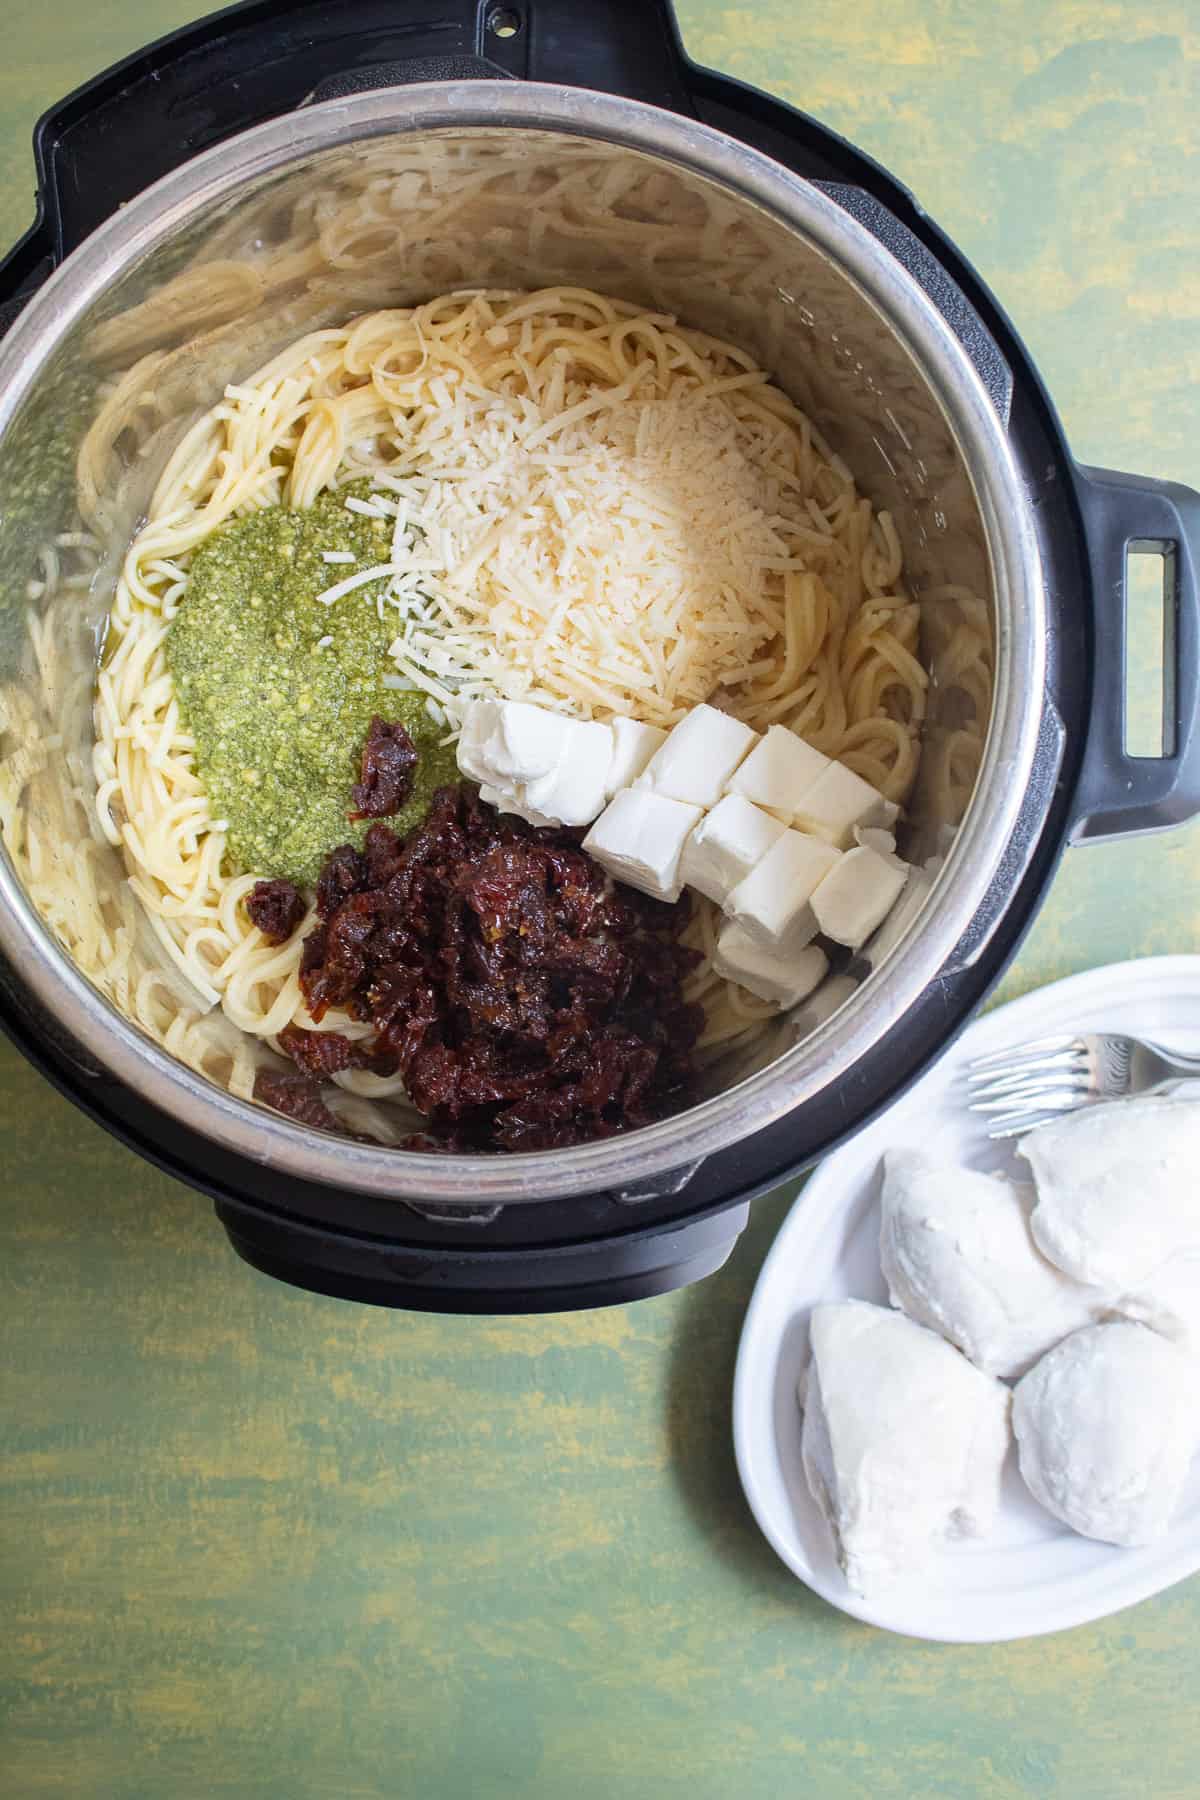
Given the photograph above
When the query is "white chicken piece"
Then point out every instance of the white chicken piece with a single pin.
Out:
(903, 1441)
(1168, 1302)
(1106, 1425)
(957, 1256)
(1118, 1194)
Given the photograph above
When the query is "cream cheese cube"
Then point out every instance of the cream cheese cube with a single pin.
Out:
(778, 772)
(546, 767)
(633, 746)
(505, 742)
(510, 803)
(837, 802)
(572, 793)
(772, 902)
(699, 756)
(916, 892)
(481, 719)
(639, 838)
(529, 741)
(782, 977)
(876, 837)
(856, 896)
(725, 846)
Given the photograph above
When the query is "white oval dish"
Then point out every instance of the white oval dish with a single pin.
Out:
(1032, 1575)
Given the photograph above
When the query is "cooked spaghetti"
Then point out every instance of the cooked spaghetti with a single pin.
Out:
(590, 506)
(584, 504)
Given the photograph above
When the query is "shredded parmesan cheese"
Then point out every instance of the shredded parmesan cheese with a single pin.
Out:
(594, 532)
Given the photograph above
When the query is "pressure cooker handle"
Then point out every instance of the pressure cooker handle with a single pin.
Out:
(24, 269)
(1118, 794)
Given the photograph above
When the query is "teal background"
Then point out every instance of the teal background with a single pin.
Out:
(259, 1543)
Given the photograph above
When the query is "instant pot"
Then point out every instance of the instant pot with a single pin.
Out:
(280, 166)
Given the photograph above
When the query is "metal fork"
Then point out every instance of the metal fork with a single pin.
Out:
(1021, 1088)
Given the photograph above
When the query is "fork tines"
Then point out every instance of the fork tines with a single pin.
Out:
(1017, 1124)
(1022, 1088)
(1032, 1051)
(1068, 1072)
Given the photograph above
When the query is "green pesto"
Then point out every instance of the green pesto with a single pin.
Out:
(279, 720)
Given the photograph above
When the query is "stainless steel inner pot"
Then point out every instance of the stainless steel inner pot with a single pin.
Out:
(388, 198)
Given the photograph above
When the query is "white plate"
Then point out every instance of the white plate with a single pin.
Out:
(1032, 1574)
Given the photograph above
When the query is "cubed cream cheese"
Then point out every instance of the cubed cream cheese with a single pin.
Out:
(784, 977)
(699, 756)
(504, 742)
(725, 846)
(542, 765)
(509, 803)
(633, 746)
(838, 801)
(480, 721)
(771, 903)
(856, 896)
(573, 792)
(778, 772)
(916, 892)
(529, 741)
(639, 838)
(876, 837)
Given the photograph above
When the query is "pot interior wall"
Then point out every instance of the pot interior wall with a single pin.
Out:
(393, 221)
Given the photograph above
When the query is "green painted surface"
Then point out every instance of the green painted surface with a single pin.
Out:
(257, 1543)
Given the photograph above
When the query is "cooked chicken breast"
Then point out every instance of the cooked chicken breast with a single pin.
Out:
(957, 1256)
(1117, 1189)
(1106, 1425)
(1169, 1302)
(903, 1440)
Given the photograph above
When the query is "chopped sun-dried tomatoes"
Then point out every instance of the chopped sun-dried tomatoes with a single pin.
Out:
(276, 907)
(527, 1002)
(389, 762)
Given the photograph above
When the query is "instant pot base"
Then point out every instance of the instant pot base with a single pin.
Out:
(606, 1272)
(558, 1256)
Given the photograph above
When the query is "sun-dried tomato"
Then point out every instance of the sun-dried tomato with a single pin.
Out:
(276, 907)
(389, 762)
(344, 873)
(329, 1052)
(299, 1097)
(527, 1002)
